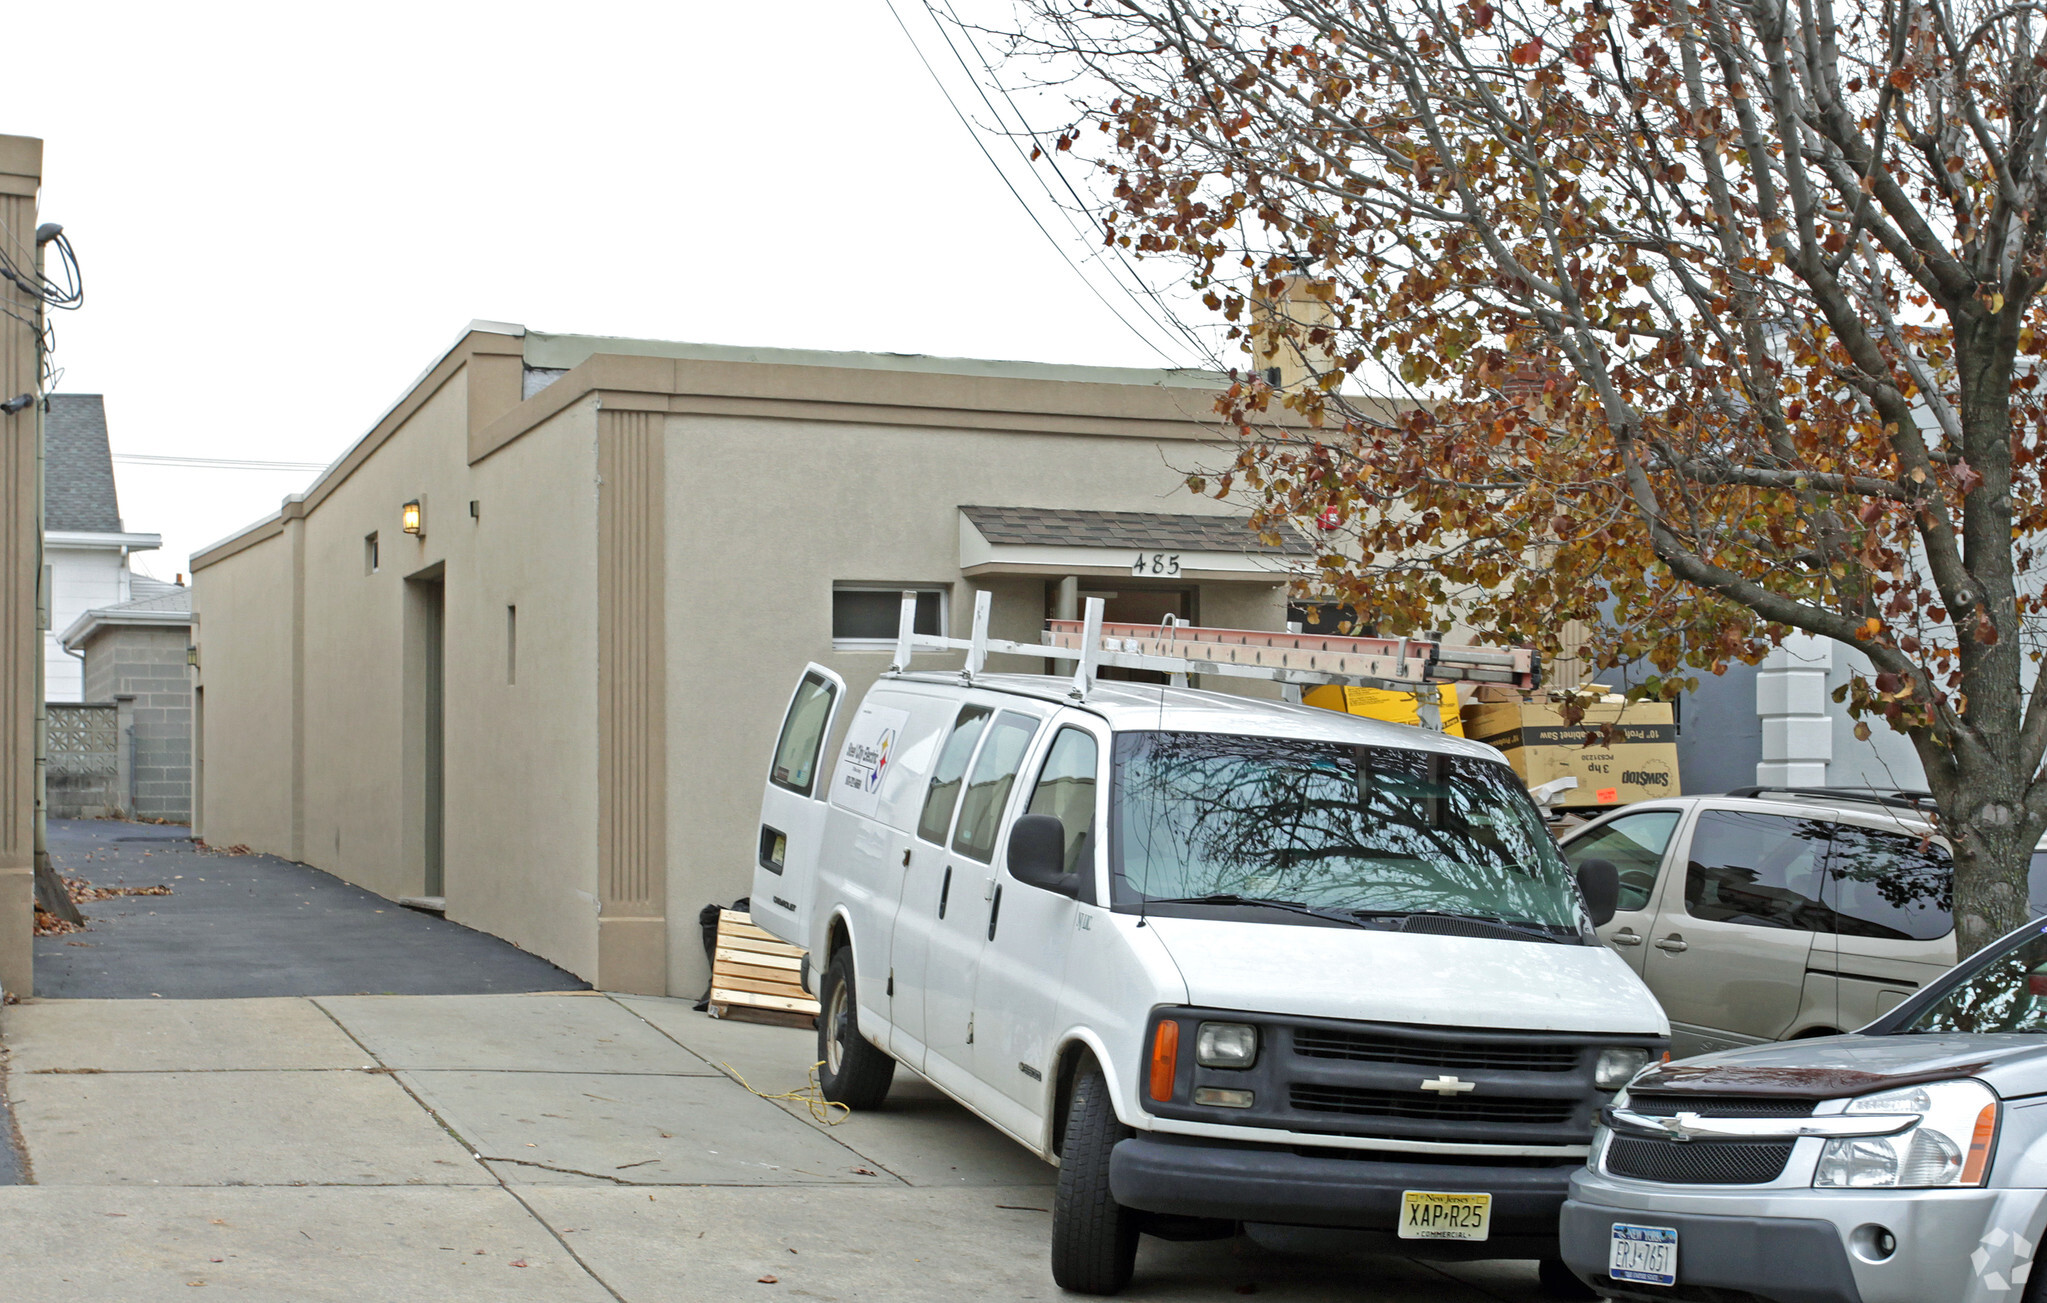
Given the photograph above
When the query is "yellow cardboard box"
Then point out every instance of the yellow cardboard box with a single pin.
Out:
(1542, 747)
(1378, 703)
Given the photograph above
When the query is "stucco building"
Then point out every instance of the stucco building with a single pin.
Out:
(524, 647)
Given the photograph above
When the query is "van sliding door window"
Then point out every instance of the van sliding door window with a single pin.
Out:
(795, 766)
(1885, 884)
(988, 791)
(1759, 870)
(944, 792)
(1066, 790)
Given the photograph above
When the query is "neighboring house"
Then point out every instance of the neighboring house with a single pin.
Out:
(84, 546)
(526, 646)
(138, 703)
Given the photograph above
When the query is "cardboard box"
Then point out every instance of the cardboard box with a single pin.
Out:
(1393, 707)
(1541, 746)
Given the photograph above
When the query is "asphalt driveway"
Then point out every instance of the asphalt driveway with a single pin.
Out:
(242, 926)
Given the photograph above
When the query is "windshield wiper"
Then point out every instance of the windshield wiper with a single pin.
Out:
(1349, 917)
(1537, 931)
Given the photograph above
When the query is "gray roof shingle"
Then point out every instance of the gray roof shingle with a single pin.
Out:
(78, 467)
(1057, 527)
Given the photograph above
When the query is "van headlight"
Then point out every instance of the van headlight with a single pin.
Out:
(1226, 1045)
(1618, 1065)
(1950, 1145)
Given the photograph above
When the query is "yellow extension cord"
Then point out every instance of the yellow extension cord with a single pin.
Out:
(810, 1096)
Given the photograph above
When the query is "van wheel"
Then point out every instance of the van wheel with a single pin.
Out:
(1094, 1238)
(852, 1072)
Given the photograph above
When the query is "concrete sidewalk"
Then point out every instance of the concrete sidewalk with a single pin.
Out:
(562, 1146)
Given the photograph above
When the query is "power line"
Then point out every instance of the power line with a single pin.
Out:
(218, 463)
(1029, 212)
(1172, 322)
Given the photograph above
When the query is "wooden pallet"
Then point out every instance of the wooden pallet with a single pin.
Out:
(755, 976)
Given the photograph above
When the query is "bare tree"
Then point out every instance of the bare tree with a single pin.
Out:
(1710, 320)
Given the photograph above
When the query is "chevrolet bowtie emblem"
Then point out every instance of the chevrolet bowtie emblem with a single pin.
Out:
(1449, 1086)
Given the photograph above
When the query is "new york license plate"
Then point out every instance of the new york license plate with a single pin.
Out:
(1646, 1255)
(1435, 1215)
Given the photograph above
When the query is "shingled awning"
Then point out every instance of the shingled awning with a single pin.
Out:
(1059, 541)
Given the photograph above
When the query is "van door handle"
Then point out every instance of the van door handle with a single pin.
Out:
(1624, 937)
(944, 891)
(994, 912)
(1672, 944)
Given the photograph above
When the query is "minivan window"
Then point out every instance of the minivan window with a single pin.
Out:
(1634, 844)
(1886, 884)
(1066, 789)
(944, 792)
(1760, 870)
(988, 790)
(795, 764)
(1365, 830)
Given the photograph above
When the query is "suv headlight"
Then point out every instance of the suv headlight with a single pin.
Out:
(1950, 1145)
(1226, 1045)
(1617, 1066)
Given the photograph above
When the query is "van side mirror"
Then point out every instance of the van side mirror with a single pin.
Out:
(1601, 883)
(1037, 854)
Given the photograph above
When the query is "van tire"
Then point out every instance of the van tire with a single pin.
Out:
(851, 1071)
(1094, 1238)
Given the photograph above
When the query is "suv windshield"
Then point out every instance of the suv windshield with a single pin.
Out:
(2002, 991)
(1378, 830)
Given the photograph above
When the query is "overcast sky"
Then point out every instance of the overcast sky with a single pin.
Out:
(286, 212)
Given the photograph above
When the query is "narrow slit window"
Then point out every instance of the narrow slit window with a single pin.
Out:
(369, 553)
(511, 644)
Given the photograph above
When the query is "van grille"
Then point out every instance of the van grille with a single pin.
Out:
(1390, 1104)
(1324, 1043)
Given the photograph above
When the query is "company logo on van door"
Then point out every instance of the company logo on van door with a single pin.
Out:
(866, 762)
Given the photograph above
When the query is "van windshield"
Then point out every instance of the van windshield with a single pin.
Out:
(1362, 831)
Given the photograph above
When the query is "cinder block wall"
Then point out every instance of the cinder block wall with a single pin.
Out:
(149, 663)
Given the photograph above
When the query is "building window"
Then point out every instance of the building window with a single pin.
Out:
(511, 644)
(865, 616)
(369, 553)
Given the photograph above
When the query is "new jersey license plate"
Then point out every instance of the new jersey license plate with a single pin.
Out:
(1646, 1255)
(1435, 1215)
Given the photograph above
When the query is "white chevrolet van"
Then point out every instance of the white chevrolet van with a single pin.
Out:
(1224, 961)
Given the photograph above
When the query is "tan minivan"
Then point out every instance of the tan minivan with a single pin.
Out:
(1769, 914)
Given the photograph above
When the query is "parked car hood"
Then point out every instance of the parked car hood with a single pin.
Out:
(1407, 977)
(1830, 1067)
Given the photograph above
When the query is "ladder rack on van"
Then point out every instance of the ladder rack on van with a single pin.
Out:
(1400, 664)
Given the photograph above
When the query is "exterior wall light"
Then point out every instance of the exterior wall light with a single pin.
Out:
(192, 655)
(413, 517)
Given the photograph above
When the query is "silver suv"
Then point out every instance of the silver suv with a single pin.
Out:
(1775, 913)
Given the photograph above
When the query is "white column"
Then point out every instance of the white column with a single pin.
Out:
(1791, 702)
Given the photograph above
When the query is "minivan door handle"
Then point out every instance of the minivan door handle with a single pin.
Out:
(1672, 944)
(1624, 937)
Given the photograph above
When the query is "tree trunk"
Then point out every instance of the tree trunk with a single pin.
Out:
(52, 895)
(1983, 815)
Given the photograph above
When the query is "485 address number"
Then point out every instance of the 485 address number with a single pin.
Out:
(1156, 563)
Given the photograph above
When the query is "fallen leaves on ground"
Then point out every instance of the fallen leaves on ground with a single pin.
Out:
(83, 891)
(49, 925)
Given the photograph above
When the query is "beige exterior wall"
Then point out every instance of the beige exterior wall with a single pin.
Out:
(765, 515)
(669, 530)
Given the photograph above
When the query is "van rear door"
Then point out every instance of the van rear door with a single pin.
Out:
(793, 809)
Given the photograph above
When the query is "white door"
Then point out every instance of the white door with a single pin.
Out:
(975, 907)
(793, 809)
(1635, 845)
(927, 885)
(1018, 991)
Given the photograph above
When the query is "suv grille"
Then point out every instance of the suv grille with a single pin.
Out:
(1720, 1106)
(1329, 1043)
(1698, 1162)
(1400, 1104)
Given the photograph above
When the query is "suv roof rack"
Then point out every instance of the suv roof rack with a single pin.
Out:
(1173, 648)
(1901, 798)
